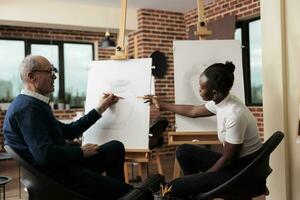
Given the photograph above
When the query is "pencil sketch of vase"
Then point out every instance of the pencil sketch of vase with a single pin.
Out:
(117, 116)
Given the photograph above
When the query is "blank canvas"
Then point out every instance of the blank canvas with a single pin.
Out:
(190, 60)
(128, 120)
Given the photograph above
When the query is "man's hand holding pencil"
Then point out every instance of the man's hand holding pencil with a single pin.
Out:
(106, 101)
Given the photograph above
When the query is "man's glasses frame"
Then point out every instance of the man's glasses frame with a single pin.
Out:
(52, 71)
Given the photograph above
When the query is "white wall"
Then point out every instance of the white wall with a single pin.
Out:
(62, 14)
(281, 74)
(292, 8)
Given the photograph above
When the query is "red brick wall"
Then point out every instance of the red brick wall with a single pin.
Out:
(156, 31)
(258, 114)
(67, 114)
(242, 9)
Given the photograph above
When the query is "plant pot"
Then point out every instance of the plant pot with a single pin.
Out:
(51, 105)
(158, 197)
(4, 106)
(60, 106)
(67, 106)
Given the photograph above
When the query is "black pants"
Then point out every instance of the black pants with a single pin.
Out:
(194, 162)
(86, 178)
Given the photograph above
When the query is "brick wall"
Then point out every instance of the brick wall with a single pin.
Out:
(242, 9)
(67, 114)
(258, 114)
(156, 31)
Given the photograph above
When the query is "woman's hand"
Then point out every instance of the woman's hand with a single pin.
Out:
(152, 100)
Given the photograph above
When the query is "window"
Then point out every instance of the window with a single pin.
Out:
(255, 61)
(71, 60)
(249, 32)
(238, 34)
(77, 58)
(12, 53)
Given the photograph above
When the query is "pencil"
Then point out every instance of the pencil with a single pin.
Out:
(145, 97)
(115, 96)
(169, 189)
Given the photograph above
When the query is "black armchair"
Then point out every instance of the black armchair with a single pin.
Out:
(156, 130)
(41, 186)
(255, 187)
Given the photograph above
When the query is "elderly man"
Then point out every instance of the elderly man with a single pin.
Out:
(31, 129)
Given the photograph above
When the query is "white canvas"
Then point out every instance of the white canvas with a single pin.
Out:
(128, 120)
(190, 60)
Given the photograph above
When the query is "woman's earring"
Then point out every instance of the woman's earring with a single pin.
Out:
(214, 95)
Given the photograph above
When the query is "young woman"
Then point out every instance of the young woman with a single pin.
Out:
(237, 130)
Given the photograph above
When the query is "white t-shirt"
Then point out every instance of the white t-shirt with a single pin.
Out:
(236, 124)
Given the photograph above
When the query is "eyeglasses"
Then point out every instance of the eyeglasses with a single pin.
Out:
(51, 71)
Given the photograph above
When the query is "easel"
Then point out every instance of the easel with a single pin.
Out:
(206, 138)
(140, 156)
(202, 31)
(196, 138)
(121, 52)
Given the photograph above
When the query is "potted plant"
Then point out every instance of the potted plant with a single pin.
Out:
(68, 97)
(4, 103)
(60, 104)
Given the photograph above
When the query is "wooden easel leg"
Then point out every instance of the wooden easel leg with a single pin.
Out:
(126, 172)
(176, 169)
(158, 162)
(3, 192)
(20, 186)
(143, 170)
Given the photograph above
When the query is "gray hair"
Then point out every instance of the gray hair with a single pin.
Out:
(28, 64)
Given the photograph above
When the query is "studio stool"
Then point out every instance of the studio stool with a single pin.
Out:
(3, 181)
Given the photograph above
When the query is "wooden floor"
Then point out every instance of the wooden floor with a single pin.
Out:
(14, 191)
